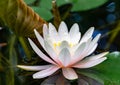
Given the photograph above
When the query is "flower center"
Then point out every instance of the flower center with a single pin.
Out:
(56, 44)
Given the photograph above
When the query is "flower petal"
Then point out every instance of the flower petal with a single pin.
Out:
(40, 39)
(93, 45)
(69, 73)
(46, 72)
(78, 53)
(53, 33)
(51, 52)
(74, 34)
(87, 63)
(91, 50)
(87, 35)
(64, 57)
(39, 52)
(45, 31)
(34, 68)
(94, 57)
(63, 32)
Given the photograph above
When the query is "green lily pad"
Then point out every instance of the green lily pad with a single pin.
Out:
(110, 69)
(29, 1)
(82, 5)
(43, 12)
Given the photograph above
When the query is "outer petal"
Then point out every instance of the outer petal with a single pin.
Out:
(91, 50)
(69, 73)
(87, 35)
(64, 57)
(46, 72)
(34, 68)
(89, 63)
(39, 52)
(74, 34)
(93, 45)
(63, 32)
(45, 31)
(94, 57)
(40, 39)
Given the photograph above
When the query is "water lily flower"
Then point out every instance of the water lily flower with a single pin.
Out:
(66, 50)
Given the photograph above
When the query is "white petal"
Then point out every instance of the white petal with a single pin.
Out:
(94, 57)
(45, 31)
(87, 63)
(69, 73)
(92, 49)
(87, 35)
(74, 34)
(63, 32)
(39, 52)
(53, 33)
(64, 57)
(77, 55)
(51, 52)
(34, 68)
(93, 45)
(46, 72)
(40, 39)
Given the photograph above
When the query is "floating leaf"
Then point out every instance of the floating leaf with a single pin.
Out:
(20, 18)
(43, 12)
(110, 69)
(29, 1)
(82, 5)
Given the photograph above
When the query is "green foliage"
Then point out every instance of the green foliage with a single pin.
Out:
(29, 1)
(43, 12)
(44, 6)
(83, 5)
(107, 72)
(110, 69)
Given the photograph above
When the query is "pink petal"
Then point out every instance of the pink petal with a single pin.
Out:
(89, 63)
(46, 72)
(69, 73)
(39, 52)
(33, 68)
(64, 57)
(40, 39)
(74, 34)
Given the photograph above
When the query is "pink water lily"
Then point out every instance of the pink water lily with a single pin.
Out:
(66, 49)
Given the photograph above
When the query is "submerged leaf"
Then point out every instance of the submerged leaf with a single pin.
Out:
(20, 18)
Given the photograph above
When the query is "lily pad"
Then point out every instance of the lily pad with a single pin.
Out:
(110, 69)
